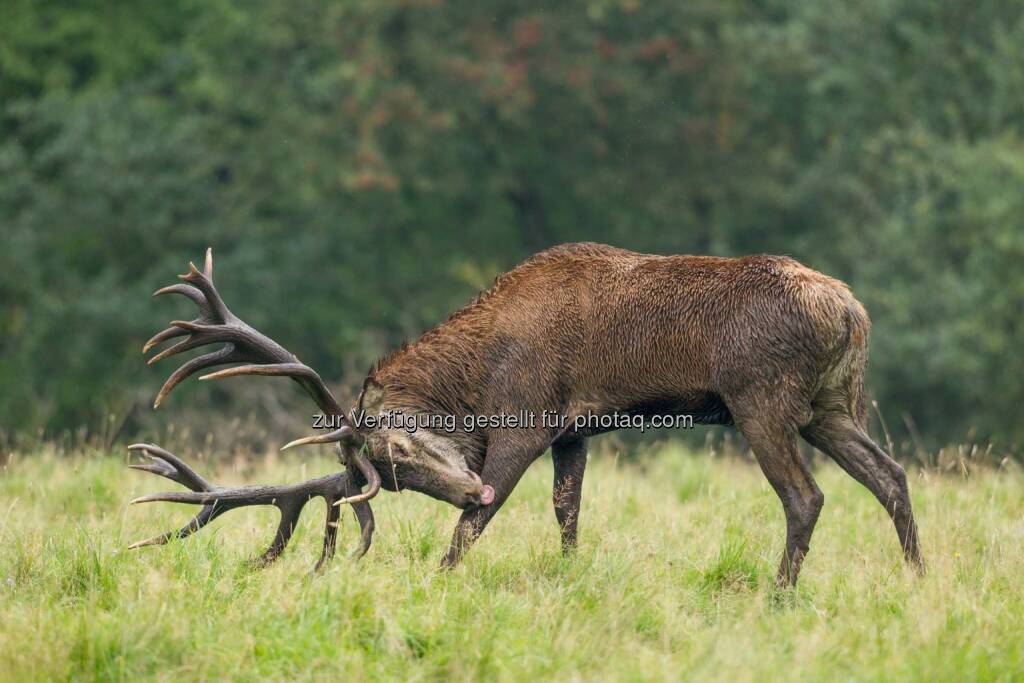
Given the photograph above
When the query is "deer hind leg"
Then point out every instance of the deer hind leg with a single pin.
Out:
(570, 460)
(837, 435)
(774, 442)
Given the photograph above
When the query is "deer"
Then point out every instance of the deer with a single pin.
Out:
(760, 343)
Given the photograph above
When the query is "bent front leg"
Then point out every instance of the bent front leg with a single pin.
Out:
(502, 470)
(570, 460)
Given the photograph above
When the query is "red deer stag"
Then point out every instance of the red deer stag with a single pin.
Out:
(759, 342)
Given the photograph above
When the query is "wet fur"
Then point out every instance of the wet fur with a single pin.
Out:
(760, 342)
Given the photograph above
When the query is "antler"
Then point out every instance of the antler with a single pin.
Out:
(335, 489)
(261, 356)
(216, 323)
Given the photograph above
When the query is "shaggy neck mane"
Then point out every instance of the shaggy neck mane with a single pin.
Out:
(439, 373)
(444, 371)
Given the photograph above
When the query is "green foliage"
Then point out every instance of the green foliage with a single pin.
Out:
(363, 168)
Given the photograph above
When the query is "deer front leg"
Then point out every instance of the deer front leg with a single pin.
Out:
(570, 460)
(502, 470)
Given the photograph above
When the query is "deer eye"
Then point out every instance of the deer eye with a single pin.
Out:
(396, 451)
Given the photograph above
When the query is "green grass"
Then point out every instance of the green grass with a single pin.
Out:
(673, 579)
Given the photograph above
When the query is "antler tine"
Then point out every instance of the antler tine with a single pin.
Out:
(205, 285)
(204, 517)
(200, 335)
(251, 495)
(188, 291)
(190, 368)
(294, 370)
(330, 437)
(372, 479)
(363, 513)
(162, 336)
(168, 465)
(306, 376)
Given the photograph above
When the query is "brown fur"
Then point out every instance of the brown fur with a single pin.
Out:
(761, 342)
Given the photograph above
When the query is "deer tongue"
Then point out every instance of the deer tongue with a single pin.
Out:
(487, 495)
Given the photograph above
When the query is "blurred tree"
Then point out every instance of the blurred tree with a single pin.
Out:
(363, 168)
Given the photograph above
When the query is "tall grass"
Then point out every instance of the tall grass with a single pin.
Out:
(673, 579)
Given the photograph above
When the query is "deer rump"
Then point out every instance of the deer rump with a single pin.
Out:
(759, 342)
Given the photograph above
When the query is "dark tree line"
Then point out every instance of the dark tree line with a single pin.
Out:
(362, 168)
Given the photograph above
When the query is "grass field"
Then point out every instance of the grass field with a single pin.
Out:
(673, 579)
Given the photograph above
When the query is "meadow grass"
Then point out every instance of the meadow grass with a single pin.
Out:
(673, 579)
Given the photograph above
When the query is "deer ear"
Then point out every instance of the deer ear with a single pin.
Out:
(371, 398)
